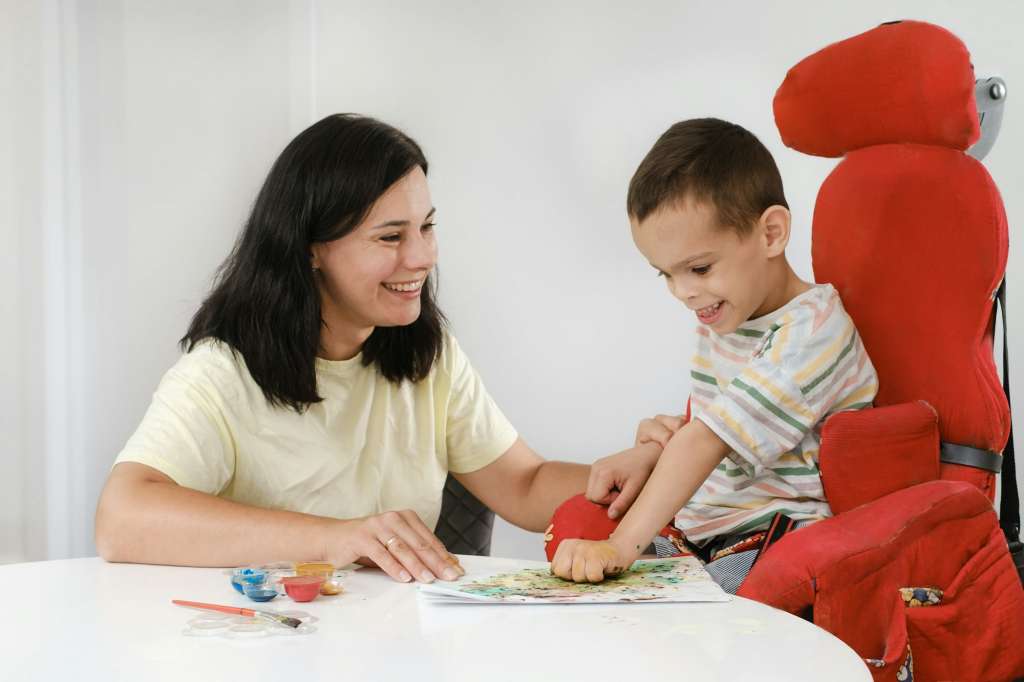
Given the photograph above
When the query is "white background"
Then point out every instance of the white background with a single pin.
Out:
(136, 133)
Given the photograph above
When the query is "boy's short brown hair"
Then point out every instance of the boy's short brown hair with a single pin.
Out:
(708, 160)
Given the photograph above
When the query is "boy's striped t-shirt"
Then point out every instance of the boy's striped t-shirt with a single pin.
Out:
(765, 389)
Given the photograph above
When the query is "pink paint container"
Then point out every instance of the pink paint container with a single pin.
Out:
(302, 587)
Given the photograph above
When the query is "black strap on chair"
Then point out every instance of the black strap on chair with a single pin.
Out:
(965, 455)
(465, 525)
(1009, 503)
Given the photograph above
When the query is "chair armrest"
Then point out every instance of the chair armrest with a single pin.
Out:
(906, 532)
(866, 454)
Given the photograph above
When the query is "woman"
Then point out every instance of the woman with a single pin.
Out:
(321, 403)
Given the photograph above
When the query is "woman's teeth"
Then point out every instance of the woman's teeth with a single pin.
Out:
(407, 286)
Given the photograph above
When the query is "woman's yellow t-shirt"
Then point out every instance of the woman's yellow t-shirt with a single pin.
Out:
(370, 446)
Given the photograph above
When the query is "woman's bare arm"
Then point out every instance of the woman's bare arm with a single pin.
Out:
(145, 517)
(524, 489)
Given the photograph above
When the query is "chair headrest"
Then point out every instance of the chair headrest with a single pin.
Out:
(901, 82)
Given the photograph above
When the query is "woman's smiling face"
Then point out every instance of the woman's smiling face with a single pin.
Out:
(373, 276)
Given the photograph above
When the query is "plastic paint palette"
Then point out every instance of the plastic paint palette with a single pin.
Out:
(225, 626)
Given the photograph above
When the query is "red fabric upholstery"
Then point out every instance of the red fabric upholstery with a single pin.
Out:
(901, 82)
(896, 240)
(912, 233)
(849, 568)
(898, 444)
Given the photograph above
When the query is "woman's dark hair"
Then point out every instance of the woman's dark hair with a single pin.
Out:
(265, 303)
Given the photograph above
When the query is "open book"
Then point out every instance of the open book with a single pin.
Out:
(680, 579)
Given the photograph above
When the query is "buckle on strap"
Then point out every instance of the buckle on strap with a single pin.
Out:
(965, 455)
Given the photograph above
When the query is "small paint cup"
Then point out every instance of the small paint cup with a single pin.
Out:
(259, 591)
(302, 587)
(331, 584)
(240, 577)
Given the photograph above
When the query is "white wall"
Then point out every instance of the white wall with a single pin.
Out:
(533, 117)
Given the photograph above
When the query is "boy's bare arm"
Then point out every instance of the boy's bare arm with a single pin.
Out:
(617, 479)
(688, 459)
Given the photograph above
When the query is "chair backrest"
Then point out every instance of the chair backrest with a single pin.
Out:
(466, 524)
(909, 228)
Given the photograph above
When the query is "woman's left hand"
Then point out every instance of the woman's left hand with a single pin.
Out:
(586, 561)
(616, 480)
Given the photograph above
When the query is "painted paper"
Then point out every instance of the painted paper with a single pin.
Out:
(656, 580)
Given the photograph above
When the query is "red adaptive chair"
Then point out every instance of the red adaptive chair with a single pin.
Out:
(911, 231)
(913, 570)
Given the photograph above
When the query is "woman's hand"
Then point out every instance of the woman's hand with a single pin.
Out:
(586, 561)
(658, 429)
(617, 479)
(397, 542)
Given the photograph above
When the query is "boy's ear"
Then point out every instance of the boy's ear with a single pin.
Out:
(775, 224)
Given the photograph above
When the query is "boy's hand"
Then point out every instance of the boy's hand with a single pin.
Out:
(586, 561)
(659, 429)
(616, 480)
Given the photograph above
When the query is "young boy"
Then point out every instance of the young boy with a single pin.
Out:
(775, 357)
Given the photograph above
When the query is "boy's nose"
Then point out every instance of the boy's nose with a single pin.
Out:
(684, 292)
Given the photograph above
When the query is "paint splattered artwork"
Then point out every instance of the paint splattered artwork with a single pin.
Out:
(660, 580)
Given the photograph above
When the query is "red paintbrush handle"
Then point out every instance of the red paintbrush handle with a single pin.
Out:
(214, 607)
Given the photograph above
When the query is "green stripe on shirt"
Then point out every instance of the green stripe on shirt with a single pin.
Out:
(824, 375)
(796, 471)
(703, 377)
(769, 405)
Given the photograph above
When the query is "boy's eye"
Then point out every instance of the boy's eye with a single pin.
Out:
(702, 270)
(662, 273)
(428, 227)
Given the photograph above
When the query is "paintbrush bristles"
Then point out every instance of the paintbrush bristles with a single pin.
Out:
(283, 620)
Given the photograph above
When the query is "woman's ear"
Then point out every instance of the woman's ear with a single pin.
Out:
(314, 256)
(775, 225)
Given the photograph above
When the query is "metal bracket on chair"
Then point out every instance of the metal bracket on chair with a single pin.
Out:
(990, 98)
(952, 453)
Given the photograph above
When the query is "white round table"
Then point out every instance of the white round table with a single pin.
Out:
(85, 619)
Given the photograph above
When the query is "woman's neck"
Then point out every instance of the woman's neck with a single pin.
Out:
(340, 339)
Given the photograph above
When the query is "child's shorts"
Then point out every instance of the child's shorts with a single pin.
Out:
(727, 558)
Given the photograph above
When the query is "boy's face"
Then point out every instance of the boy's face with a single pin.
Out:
(720, 276)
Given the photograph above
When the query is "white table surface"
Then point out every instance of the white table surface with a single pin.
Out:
(85, 619)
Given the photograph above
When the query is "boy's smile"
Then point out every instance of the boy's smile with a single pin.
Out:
(724, 278)
(711, 314)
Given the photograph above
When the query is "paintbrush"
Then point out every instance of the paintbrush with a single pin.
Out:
(252, 613)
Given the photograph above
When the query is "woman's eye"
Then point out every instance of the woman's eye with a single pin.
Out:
(391, 237)
(702, 270)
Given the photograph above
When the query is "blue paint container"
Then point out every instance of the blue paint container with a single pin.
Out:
(241, 577)
(259, 592)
